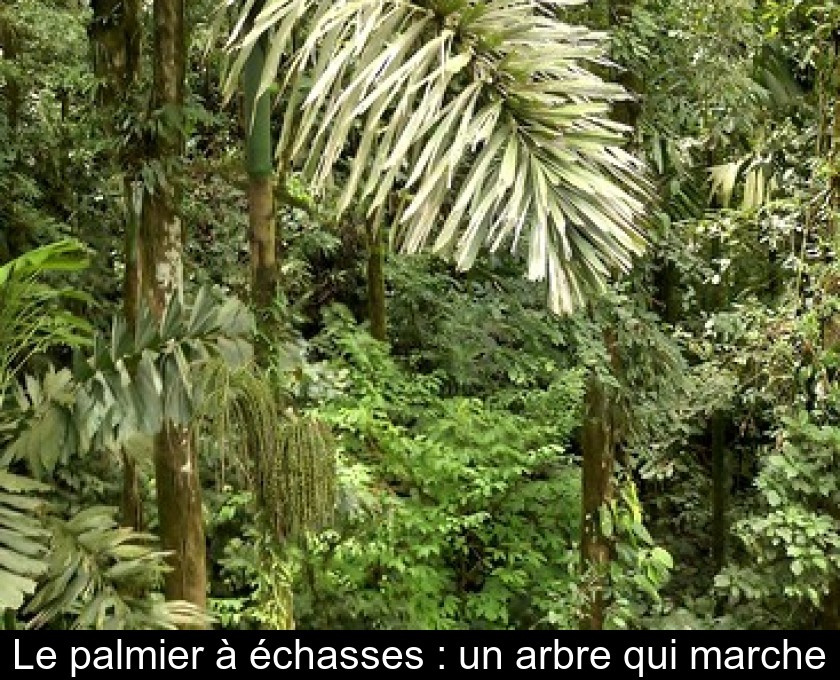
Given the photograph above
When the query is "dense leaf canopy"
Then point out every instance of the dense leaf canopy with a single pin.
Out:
(268, 359)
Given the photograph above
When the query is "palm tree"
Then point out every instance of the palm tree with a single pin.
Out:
(465, 124)
(260, 168)
(115, 31)
(160, 244)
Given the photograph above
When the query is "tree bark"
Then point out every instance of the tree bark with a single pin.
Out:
(8, 41)
(132, 502)
(260, 167)
(600, 433)
(377, 312)
(115, 36)
(13, 238)
(831, 325)
(263, 240)
(626, 111)
(721, 480)
(598, 440)
(160, 245)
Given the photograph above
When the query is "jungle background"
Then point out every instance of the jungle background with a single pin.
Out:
(426, 314)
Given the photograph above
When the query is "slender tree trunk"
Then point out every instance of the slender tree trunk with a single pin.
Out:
(160, 245)
(263, 240)
(600, 433)
(131, 505)
(831, 326)
(626, 111)
(598, 440)
(720, 491)
(668, 290)
(260, 166)
(8, 41)
(115, 36)
(666, 277)
(721, 478)
(12, 239)
(377, 312)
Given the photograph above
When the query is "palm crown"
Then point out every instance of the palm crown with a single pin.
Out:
(482, 119)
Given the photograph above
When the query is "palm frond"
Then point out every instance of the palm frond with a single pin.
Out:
(132, 384)
(101, 575)
(23, 538)
(484, 119)
(25, 327)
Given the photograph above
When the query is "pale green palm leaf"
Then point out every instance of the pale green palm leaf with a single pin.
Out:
(483, 119)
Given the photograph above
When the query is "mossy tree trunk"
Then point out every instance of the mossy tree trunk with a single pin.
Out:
(600, 435)
(598, 445)
(160, 248)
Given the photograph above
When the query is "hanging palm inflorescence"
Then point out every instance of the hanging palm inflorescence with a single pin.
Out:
(289, 460)
(466, 124)
(297, 480)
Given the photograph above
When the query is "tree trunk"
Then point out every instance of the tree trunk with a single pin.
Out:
(668, 291)
(180, 515)
(717, 298)
(626, 111)
(13, 238)
(720, 491)
(160, 247)
(260, 167)
(8, 42)
(600, 433)
(115, 37)
(377, 312)
(666, 276)
(598, 441)
(263, 240)
(131, 505)
(831, 326)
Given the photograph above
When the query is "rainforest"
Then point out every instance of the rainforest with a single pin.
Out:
(420, 314)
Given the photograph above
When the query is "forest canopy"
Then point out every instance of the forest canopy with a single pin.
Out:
(420, 314)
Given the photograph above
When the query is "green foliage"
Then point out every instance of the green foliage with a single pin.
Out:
(100, 576)
(641, 567)
(474, 516)
(132, 384)
(794, 540)
(23, 538)
(476, 102)
(32, 320)
(255, 576)
(78, 565)
(433, 482)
